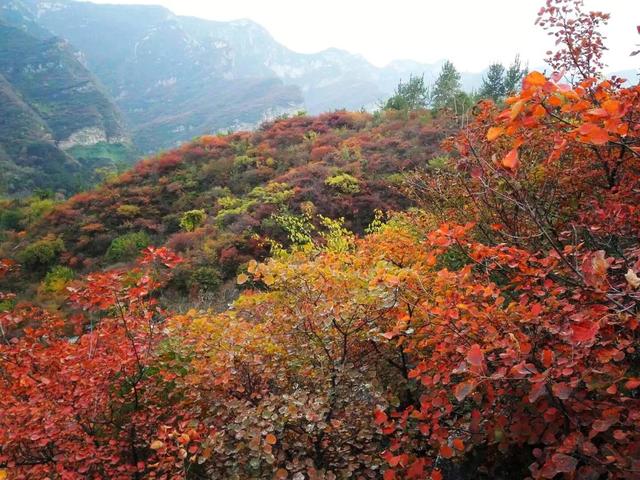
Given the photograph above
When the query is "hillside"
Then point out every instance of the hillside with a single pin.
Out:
(248, 187)
(50, 104)
(411, 294)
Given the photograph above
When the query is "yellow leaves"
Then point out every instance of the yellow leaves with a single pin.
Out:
(511, 160)
(516, 108)
(253, 265)
(3, 474)
(632, 279)
(599, 263)
(494, 132)
(155, 445)
(268, 279)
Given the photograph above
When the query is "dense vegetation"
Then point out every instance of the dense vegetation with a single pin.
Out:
(217, 200)
(489, 331)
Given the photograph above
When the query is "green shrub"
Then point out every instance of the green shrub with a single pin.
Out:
(42, 254)
(127, 247)
(57, 279)
(10, 219)
(192, 219)
(129, 211)
(344, 183)
(243, 161)
(205, 279)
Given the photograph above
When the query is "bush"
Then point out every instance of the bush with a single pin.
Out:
(57, 279)
(205, 279)
(344, 183)
(129, 211)
(42, 254)
(127, 247)
(192, 219)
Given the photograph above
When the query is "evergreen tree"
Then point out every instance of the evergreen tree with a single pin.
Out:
(513, 76)
(493, 84)
(411, 95)
(447, 86)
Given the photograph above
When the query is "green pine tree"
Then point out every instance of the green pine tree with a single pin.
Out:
(447, 87)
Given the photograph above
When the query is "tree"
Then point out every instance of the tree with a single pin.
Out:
(493, 84)
(513, 76)
(579, 36)
(411, 95)
(88, 406)
(447, 86)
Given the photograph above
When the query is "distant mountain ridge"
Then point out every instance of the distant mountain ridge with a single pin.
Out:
(178, 77)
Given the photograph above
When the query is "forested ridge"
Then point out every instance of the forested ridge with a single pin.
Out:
(416, 293)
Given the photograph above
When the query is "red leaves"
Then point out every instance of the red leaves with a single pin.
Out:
(564, 463)
(547, 357)
(462, 390)
(584, 331)
(380, 417)
(632, 383)
(475, 356)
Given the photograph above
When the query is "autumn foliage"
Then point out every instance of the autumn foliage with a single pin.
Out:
(490, 332)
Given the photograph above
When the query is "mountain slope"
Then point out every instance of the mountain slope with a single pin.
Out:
(250, 186)
(50, 103)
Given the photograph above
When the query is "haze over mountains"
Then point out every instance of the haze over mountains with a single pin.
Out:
(159, 79)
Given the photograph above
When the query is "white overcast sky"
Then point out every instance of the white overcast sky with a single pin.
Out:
(471, 33)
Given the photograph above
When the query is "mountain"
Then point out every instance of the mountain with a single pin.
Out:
(49, 105)
(177, 77)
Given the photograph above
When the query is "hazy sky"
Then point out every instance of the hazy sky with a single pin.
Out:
(471, 33)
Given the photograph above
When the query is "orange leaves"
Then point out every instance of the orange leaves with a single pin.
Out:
(281, 474)
(592, 133)
(446, 451)
(534, 79)
(458, 444)
(511, 161)
(270, 439)
(494, 132)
